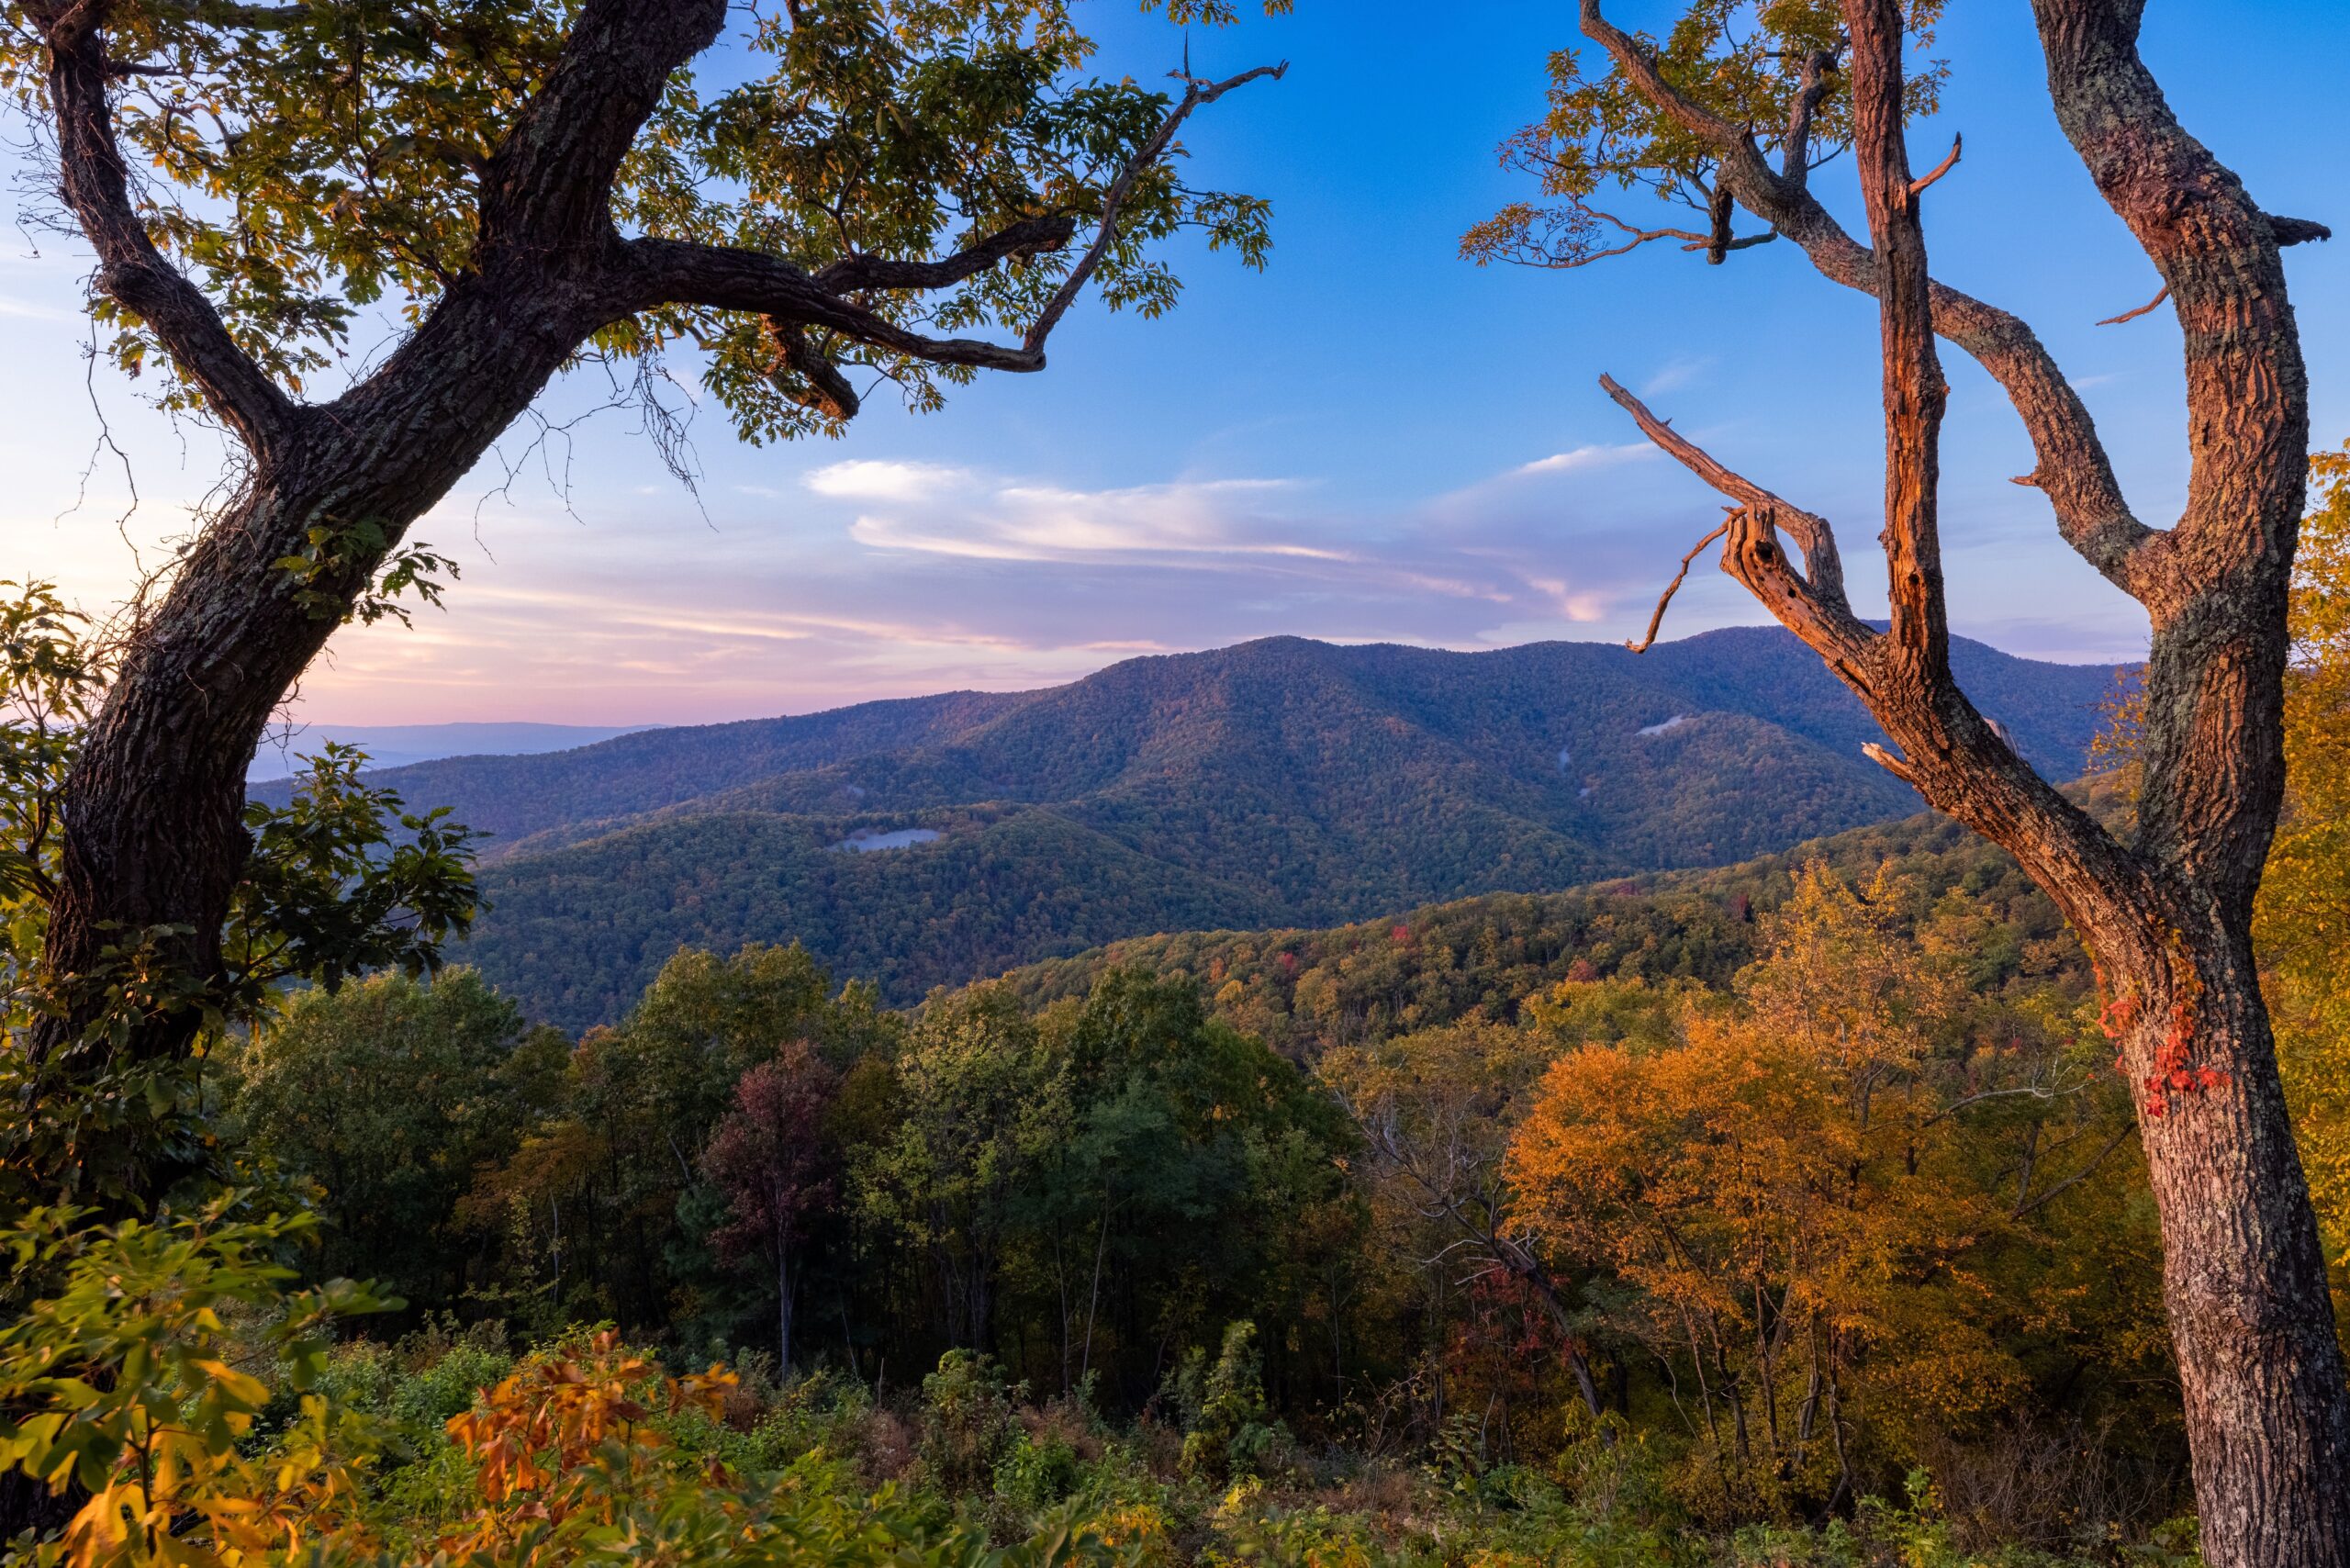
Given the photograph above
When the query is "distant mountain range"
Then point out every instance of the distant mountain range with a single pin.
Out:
(397, 745)
(1279, 783)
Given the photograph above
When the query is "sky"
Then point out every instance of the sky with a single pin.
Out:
(1374, 441)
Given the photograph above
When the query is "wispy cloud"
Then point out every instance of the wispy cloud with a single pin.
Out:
(1680, 371)
(882, 578)
(1583, 459)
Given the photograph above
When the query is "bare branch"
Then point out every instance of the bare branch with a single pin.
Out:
(2121, 1135)
(2296, 231)
(1949, 162)
(1889, 762)
(2133, 314)
(1648, 640)
(1823, 569)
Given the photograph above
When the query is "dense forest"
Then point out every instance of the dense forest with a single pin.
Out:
(1283, 1209)
(1279, 782)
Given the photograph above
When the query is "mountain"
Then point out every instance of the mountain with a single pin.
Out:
(1280, 783)
(397, 745)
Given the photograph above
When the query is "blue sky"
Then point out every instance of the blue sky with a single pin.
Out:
(1372, 441)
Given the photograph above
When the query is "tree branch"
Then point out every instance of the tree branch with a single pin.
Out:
(2073, 468)
(96, 184)
(229, 14)
(1823, 569)
(2161, 294)
(548, 188)
(1195, 93)
(1952, 754)
(1656, 618)
(1795, 160)
(1914, 391)
(672, 271)
(1949, 162)
(2121, 1135)
(851, 274)
(678, 272)
(2217, 252)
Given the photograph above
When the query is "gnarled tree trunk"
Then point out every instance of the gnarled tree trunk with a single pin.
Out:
(2167, 916)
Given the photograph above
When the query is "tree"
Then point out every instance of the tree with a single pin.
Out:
(773, 1159)
(513, 189)
(1842, 1206)
(972, 1082)
(2167, 914)
(612, 1190)
(390, 1095)
(1435, 1110)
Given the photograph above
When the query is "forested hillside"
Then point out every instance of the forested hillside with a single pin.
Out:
(1344, 1240)
(1307, 991)
(1282, 781)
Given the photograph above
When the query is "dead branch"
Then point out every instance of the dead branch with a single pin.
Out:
(1823, 569)
(1949, 162)
(1657, 619)
(1889, 762)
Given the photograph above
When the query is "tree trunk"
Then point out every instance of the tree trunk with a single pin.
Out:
(2167, 915)
(783, 1310)
(153, 815)
(2243, 1275)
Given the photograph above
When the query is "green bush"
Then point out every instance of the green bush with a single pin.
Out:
(968, 1424)
(1236, 1436)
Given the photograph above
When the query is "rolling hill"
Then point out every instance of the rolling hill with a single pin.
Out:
(1280, 783)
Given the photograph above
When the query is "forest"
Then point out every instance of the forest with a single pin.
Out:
(1964, 1190)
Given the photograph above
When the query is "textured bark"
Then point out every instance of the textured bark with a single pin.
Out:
(2168, 916)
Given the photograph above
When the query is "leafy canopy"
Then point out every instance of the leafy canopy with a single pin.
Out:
(318, 165)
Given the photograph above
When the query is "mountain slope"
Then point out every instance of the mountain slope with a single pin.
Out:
(1279, 782)
(512, 796)
(1303, 990)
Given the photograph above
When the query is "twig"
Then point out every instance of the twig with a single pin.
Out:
(2133, 314)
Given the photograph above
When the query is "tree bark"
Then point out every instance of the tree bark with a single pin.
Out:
(152, 814)
(783, 1307)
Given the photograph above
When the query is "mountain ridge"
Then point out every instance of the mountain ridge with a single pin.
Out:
(1277, 782)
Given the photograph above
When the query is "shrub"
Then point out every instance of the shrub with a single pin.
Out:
(1235, 1437)
(968, 1423)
